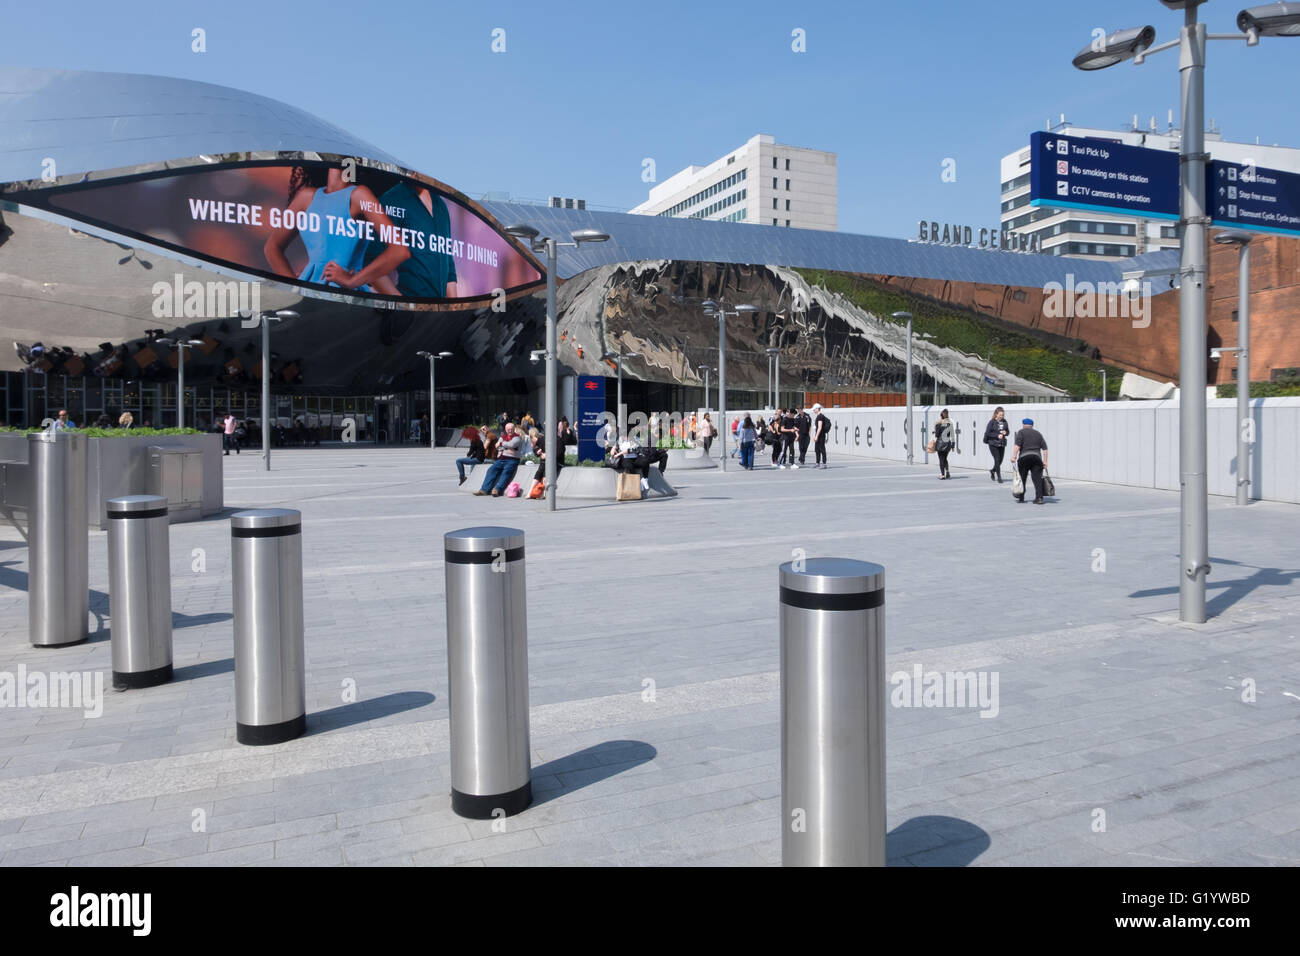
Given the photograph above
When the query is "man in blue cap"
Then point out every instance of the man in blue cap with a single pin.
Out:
(1031, 450)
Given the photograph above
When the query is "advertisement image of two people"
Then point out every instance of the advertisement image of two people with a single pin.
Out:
(348, 258)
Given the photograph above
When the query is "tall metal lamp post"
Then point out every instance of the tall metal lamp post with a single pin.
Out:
(907, 419)
(619, 356)
(1277, 19)
(265, 319)
(181, 346)
(433, 419)
(539, 243)
(706, 369)
(718, 308)
(1241, 239)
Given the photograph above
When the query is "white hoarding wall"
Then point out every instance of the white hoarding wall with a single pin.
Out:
(1120, 443)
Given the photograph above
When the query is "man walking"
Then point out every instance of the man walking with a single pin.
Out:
(228, 425)
(1031, 449)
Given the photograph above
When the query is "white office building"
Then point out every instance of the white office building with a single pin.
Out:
(763, 182)
(1098, 235)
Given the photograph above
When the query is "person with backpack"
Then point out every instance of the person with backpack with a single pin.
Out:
(943, 442)
(995, 436)
(821, 428)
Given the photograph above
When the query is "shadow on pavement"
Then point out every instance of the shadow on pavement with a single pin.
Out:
(937, 840)
(556, 778)
(204, 669)
(1230, 592)
(363, 710)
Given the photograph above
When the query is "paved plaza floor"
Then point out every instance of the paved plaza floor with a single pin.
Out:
(1119, 735)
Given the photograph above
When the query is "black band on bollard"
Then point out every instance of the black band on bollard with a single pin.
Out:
(283, 531)
(257, 735)
(854, 601)
(481, 808)
(482, 557)
(153, 513)
(126, 680)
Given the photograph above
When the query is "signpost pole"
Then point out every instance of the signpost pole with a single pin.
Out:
(1194, 542)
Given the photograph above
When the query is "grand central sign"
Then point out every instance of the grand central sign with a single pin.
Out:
(958, 235)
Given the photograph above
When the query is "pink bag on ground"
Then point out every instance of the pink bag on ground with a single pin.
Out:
(513, 489)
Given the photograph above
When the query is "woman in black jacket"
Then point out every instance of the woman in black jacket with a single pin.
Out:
(944, 439)
(477, 452)
(995, 436)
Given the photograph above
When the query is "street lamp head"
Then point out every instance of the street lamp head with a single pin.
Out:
(1233, 237)
(1116, 48)
(425, 354)
(746, 308)
(902, 315)
(193, 341)
(284, 314)
(709, 305)
(1181, 4)
(521, 230)
(1272, 20)
(444, 355)
(588, 235)
(165, 341)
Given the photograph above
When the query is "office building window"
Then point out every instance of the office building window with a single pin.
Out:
(773, 202)
(774, 182)
(787, 205)
(787, 185)
(774, 162)
(787, 165)
(775, 223)
(787, 222)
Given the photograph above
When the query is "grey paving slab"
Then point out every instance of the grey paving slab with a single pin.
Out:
(1105, 701)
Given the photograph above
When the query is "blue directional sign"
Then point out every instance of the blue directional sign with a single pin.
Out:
(591, 417)
(1250, 197)
(1075, 172)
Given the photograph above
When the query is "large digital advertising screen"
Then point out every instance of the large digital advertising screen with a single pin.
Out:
(333, 226)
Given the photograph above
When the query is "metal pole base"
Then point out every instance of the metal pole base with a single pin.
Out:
(257, 735)
(485, 808)
(135, 679)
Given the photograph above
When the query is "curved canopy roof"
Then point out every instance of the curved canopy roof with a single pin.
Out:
(99, 121)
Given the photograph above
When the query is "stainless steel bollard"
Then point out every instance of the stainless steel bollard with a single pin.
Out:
(487, 671)
(140, 591)
(270, 671)
(58, 542)
(833, 713)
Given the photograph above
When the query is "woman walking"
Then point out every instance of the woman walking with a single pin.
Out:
(747, 434)
(707, 432)
(943, 442)
(995, 436)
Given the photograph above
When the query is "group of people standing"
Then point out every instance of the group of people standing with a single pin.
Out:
(787, 430)
(1028, 453)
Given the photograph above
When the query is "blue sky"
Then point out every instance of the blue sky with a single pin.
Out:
(586, 90)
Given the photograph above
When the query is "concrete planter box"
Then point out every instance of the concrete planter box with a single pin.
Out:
(596, 484)
(601, 484)
(114, 467)
(687, 459)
